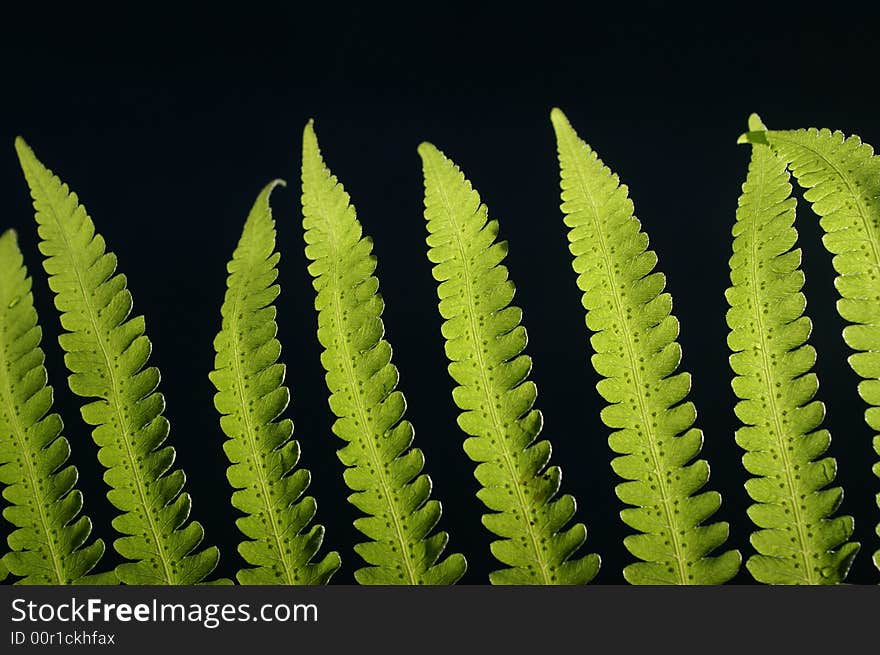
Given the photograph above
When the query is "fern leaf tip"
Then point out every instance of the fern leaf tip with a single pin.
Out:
(558, 117)
(9, 236)
(753, 137)
(24, 151)
(310, 142)
(756, 124)
(265, 195)
(427, 149)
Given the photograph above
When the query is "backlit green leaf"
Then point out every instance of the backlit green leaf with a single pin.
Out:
(106, 353)
(637, 356)
(250, 398)
(484, 343)
(383, 469)
(799, 541)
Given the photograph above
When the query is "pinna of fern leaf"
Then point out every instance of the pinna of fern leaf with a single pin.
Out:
(798, 540)
(383, 470)
(637, 356)
(485, 341)
(106, 352)
(49, 545)
(840, 176)
(269, 488)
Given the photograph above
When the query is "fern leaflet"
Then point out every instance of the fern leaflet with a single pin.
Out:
(485, 343)
(106, 352)
(799, 543)
(636, 354)
(841, 176)
(384, 471)
(250, 397)
(48, 546)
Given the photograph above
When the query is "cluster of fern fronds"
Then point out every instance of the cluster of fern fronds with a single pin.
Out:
(798, 536)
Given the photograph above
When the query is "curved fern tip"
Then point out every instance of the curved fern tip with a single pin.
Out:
(756, 124)
(9, 235)
(266, 193)
(756, 133)
(753, 137)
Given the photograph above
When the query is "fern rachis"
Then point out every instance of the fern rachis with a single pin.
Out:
(250, 397)
(485, 343)
(383, 470)
(49, 543)
(637, 356)
(799, 542)
(106, 352)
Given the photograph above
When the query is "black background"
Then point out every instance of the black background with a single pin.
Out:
(168, 124)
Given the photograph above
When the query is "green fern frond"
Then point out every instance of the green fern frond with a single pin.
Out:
(48, 546)
(250, 397)
(841, 176)
(384, 471)
(636, 354)
(106, 353)
(4, 572)
(485, 343)
(799, 542)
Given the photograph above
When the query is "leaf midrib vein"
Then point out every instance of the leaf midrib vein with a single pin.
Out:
(250, 437)
(770, 380)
